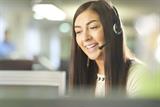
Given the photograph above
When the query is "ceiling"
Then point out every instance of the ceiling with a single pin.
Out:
(127, 8)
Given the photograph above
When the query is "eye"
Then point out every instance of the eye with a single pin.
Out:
(93, 27)
(78, 32)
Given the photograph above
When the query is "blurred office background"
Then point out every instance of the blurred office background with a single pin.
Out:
(42, 33)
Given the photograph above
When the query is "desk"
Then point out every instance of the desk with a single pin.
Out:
(83, 102)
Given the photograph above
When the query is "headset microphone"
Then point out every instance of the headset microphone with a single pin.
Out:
(104, 45)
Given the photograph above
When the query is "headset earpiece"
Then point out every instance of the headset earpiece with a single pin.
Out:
(117, 30)
(117, 24)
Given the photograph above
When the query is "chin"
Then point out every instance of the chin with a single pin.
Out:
(93, 57)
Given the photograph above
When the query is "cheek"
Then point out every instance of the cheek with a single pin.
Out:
(80, 44)
(99, 36)
(78, 40)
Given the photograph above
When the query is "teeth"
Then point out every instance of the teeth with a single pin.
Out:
(90, 46)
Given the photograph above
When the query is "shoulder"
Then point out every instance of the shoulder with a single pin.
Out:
(135, 75)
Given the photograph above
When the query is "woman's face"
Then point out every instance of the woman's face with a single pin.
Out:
(89, 33)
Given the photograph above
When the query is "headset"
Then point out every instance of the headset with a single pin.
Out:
(116, 26)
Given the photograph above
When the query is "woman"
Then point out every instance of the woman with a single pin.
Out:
(100, 59)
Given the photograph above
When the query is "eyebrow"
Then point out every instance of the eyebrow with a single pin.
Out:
(87, 23)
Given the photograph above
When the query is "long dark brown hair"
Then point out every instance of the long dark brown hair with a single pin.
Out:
(116, 60)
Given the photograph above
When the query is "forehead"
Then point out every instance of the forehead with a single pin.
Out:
(86, 16)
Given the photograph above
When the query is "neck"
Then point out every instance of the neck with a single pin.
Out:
(100, 63)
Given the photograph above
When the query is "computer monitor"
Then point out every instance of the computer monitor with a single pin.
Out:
(32, 84)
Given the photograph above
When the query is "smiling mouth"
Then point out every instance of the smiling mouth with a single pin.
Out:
(91, 47)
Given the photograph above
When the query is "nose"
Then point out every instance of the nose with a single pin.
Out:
(86, 36)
